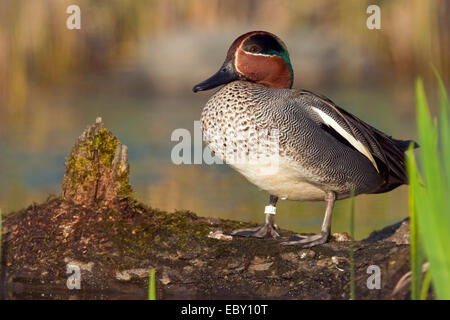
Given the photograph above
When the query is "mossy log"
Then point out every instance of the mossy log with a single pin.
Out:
(115, 241)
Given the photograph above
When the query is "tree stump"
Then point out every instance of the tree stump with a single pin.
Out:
(97, 169)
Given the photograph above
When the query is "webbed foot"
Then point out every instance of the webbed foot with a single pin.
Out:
(307, 241)
(266, 231)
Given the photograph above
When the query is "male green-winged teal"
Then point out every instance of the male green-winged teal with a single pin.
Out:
(324, 152)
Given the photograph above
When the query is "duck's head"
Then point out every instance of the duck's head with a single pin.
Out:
(256, 56)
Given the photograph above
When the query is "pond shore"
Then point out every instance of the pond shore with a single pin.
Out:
(115, 241)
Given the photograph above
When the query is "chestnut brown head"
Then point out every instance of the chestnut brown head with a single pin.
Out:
(257, 56)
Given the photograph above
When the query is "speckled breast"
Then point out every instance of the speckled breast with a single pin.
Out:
(229, 122)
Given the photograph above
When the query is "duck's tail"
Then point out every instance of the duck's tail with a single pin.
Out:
(404, 144)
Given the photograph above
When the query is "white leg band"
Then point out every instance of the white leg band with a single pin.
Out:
(270, 209)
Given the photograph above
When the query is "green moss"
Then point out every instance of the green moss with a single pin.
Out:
(123, 186)
(153, 231)
(80, 161)
(105, 143)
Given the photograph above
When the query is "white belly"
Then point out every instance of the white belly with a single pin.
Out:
(285, 180)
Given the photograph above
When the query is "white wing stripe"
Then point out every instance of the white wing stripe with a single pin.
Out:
(329, 121)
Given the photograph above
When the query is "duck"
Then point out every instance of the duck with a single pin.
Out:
(317, 150)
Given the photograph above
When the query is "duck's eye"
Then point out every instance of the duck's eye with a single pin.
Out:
(254, 49)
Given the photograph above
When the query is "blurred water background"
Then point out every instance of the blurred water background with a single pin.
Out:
(134, 63)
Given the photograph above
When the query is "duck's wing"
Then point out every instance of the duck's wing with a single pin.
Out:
(385, 153)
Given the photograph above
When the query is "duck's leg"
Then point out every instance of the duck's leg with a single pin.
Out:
(322, 237)
(268, 230)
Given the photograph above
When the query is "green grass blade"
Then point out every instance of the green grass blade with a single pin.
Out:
(152, 286)
(416, 259)
(431, 202)
(425, 286)
(352, 236)
(1, 241)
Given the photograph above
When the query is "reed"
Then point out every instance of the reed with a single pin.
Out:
(352, 236)
(152, 286)
(1, 240)
(429, 190)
